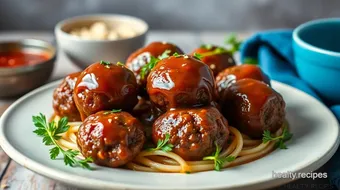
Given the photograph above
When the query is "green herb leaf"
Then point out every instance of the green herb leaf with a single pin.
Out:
(206, 46)
(120, 64)
(51, 132)
(54, 152)
(163, 144)
(176, 55)
(219, 161)
(250, 60)
(217, 51)
(165, 54)
(113, 111)
(233, 42)
(280, 140)
(198, 56)
(149, 66)
(106, 63)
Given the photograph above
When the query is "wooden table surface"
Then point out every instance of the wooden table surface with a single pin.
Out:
(16, 177)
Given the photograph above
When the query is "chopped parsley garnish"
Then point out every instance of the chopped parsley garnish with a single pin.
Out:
(219, 161)
(51, 132)
(120, 64)
(163, 144)
(207, 46)
(106, 63)
(233, 42)
(148, 67)
(113, 111)
(176, 55)
(198, 56)
(280, 140)
(164, 55)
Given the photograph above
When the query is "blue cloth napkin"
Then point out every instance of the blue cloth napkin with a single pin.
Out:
(274, 52)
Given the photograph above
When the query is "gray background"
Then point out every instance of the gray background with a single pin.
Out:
(231, 15)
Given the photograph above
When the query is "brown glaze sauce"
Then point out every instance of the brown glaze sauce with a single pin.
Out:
(143, 55)
(101, 87)
(181, 81)
(63, 102)
(111, 139)
(232, 74)
(253, 106)
(216, 62)
(193, 131)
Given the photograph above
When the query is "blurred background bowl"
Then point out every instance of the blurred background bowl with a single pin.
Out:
(84, 52)
(316, 46)
(15, 81)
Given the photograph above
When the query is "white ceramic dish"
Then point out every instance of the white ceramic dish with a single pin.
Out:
(315, 140)
(84, 52)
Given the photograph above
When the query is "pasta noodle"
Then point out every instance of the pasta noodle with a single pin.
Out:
(242, 147)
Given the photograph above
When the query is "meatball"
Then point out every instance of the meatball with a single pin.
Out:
(142, 56)
(232, 74)
(181, 81)
(193, 132)
(253, 106)
(63, 103)
(105, 86)
(217, 58)
(111, 139)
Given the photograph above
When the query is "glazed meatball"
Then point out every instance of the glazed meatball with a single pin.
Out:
(105, 86)
(111, 139)
(232, 74)
(181, 81)
(63, 103)
(253, 106)
(193, 132)
(217, 58)
(142, 56)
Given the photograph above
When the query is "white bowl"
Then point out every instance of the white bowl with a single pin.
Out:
(84, 52)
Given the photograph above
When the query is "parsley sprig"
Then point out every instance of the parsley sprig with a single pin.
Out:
(112, 111)
(145, 70)
(105, 63)
(219, 161)
(148, 67)
(198, 56)
(51, 132)
(233, 42)
(163, 144)
(217, 51)
(280, 140)
(165, 54)
(120, 64)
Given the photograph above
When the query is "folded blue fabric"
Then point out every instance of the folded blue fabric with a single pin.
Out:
(274, 52)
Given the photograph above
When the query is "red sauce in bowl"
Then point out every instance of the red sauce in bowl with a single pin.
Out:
(22, 58)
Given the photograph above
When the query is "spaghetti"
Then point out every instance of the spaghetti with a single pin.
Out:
(241, 147)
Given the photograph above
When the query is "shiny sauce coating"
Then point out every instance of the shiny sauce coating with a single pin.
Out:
(103, 87)
(216, 62)
(232, 74)
(63, 102)
(111, 139)
(253, 106)
(143, 55)
(193, 131)
(181, 81)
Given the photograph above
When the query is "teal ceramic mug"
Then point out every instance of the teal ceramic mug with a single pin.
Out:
(316, 46)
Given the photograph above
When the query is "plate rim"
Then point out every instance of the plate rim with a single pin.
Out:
(88, 182)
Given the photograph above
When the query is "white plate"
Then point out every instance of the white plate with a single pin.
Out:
(315, 140)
